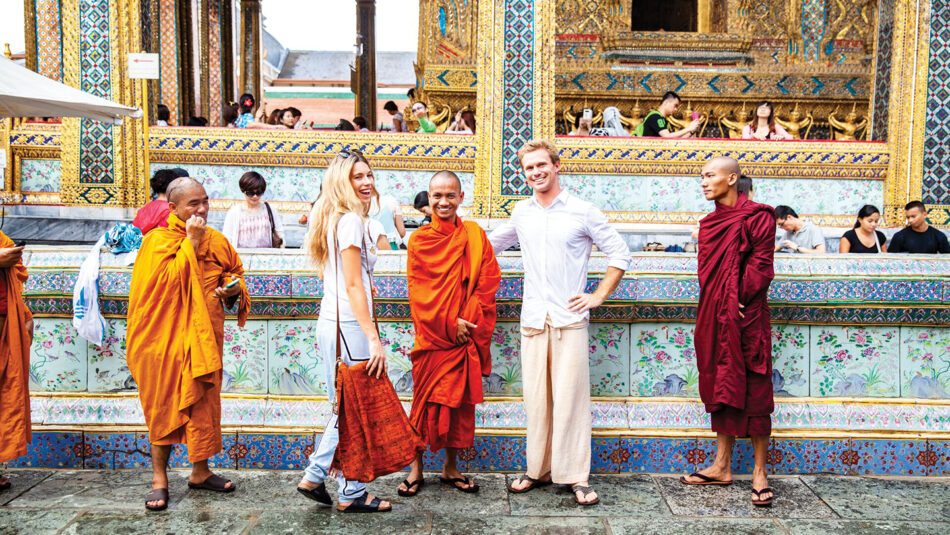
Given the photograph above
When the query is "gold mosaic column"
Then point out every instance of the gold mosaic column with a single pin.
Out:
(251, 48)
(103, 164)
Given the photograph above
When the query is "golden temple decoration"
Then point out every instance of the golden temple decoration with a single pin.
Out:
(847, 130)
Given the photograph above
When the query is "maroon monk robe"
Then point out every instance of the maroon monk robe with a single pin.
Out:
(734, 354)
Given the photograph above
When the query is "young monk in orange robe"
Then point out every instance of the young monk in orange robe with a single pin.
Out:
(453, 276)
(733, 330)
(175, 335)
(16, 334)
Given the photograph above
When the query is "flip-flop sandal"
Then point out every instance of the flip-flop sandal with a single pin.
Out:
(763, 502)
(535, 483)
(360, 505)
(409, 493)
(706, 480)
(585, 491)
(156, 495)
(214, 483)
(318, 494)
(458, 481)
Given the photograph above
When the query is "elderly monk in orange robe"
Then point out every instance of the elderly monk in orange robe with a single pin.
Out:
(16, 334)
(453, 277)
(733, 330)
(175, 333)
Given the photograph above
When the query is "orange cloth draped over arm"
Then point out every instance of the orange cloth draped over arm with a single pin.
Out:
(175, 334)
(15, 340)
(452, 273)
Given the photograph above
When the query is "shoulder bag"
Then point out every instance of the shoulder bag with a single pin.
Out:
(275, 240)
(376, 438)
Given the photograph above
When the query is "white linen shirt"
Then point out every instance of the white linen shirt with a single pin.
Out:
(555, 249)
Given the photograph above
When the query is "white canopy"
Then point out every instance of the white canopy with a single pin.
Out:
(23, 93)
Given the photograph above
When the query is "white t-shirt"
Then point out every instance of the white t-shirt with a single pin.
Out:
(351, 231)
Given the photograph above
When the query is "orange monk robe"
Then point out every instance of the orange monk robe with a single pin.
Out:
(452, 273)
(14, 363)
(175, 334)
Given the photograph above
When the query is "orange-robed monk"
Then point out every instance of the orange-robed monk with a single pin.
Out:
(453, 277)
(175, 333)
(16, 334)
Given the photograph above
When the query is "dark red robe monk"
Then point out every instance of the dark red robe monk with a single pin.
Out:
(733, 353)
(452, 274)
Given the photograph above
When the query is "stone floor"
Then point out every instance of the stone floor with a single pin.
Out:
(95, 502)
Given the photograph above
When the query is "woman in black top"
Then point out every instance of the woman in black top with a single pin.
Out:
(864, 237)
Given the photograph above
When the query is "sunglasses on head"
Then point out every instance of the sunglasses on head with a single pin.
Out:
(346, 153)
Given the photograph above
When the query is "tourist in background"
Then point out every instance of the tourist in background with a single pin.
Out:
(273, 118)
(360, 123)
(290, 117)
(246, 108)
(386, 210)
(229, 114)
(163, 114)
(155, 213)
(253, 223)
(399, 122)
(556, 231)
(345, 126)
(800, 236)
(464, 123)
(421, 111)
(864, 237)
(745, 187)
(763, 125)
(918, 237)
(582, 125)
(421, 203)
(339, 244)
(197, 121)
(656, 123)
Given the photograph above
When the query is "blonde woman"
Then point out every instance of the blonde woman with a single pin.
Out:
(340, 246)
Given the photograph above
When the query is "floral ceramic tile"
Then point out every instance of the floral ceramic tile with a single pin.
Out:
(638, 193)
(790, 366)
(245, 357)
(609, 359)
(505, 378)
(825, 196)
(404, 185)
(663, 360)
(39, 175)
(108, 370)
(300, 184)
(398, 337)
(854, 361)
(925, 362)
(295, 365)
(57, 357)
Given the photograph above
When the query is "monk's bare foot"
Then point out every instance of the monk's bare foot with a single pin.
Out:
(760, 481)
(713, 472)
(159, 481)
(524, 484)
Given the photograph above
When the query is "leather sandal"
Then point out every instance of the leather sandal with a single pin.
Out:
(458, 483)
(157, 495)
(534, 483)
(214, 483)
(409, 493)
(360, 505)
(759, 501)
(585, 490)
(318, 494)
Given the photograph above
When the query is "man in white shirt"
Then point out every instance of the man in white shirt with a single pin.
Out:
(556, 231)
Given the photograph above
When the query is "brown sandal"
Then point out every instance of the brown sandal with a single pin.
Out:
(535, 483)
(585, 491)
(215, 483)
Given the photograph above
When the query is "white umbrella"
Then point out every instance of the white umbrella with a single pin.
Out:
(23, 93)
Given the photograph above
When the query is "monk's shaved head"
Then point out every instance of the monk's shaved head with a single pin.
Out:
(179, 187)
(444, 176)
(727, 164)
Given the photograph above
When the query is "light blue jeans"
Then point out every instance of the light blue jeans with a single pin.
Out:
(355, 349)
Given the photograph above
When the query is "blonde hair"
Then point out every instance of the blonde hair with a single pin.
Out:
(539, 144)
(337, 197)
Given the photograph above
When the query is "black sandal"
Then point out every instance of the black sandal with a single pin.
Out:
(156, 495)
(763, 502)
(706, 480)
(360, 505)
(318, 494)
(5, 485)
(535, 483)
(409, 493)
(455, 482)
(585, 491)
(214, 483)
